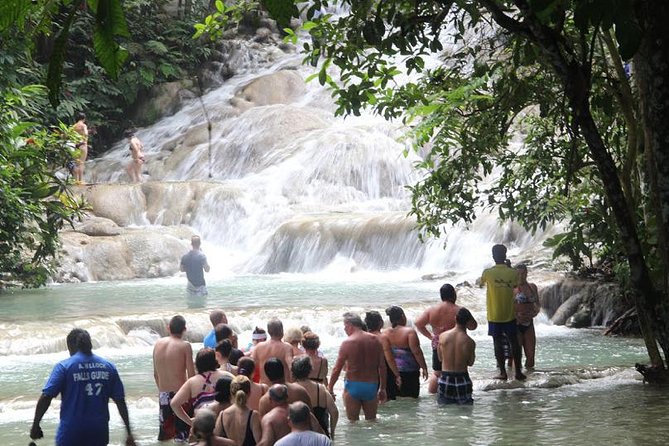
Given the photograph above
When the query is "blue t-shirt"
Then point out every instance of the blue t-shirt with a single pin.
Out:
(210, 340)
(85, 383)
(193, 263)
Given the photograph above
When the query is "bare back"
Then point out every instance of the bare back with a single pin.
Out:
(172, 363)
(295, 393)
(399, 336)
(274, 425)
(272, 348)
(441, 317)
(456, 349)
(362, 352)
(235, 421)
(257, 391)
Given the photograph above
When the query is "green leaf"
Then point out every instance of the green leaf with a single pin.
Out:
(55, 71)
(13, 13)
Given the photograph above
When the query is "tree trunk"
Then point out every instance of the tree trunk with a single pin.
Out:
(577, 85)
(652, 72)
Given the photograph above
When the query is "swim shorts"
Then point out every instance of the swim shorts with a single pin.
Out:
(410, 384)
(502, 328)
(360, 390)
(196, 291)
(523, 328)
(455, 388)
(171, 426)
(436, 363)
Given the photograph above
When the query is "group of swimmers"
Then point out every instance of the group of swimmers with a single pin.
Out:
(278, 391)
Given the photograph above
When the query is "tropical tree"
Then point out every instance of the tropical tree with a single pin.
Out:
(34, 197)
(584, 82)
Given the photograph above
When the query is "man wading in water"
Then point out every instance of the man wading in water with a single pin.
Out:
(194, 264)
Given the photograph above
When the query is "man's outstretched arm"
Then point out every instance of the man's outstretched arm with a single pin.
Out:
(42, 406)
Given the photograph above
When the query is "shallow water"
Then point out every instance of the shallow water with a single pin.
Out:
(584, 389)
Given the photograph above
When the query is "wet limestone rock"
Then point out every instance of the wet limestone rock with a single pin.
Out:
(282, 87)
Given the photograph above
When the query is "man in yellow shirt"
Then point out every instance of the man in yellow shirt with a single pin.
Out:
(500, 281)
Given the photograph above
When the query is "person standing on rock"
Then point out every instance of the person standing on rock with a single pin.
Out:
(500, 280)
(82, 147)
(194, 264)
(134, 169)
(527, 306)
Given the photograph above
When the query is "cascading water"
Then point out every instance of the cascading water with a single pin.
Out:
(304, 217)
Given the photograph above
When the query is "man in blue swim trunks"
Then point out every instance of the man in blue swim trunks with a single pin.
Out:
(365, 384)
(85, 382)
(456, 352)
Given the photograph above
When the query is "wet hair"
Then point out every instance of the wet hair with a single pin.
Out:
(203, 425)
(463, 317)
(301, 367)
(305, 328)
(395, 314)
(293, 334)
(79, 340)
(373, 320)
(499, 253)
(81, 116)
(128, 133)
(223, 389)
(311, 341)
(196, 241)
(246, 366)
(205, 360)
(224, 348)
(222, 331)
(274, 369)
(447, 293)
(521, 266)
(240, 389)
(298, 412)
(354, 319)
(177, 325)
(278, 393)
(217, 317)
(275, 328)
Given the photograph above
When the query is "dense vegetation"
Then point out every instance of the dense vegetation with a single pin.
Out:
(96, 56)
(584, 81)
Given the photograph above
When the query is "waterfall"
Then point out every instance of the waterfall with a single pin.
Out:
(286, 186)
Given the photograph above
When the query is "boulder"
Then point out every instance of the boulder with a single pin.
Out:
(282, 87)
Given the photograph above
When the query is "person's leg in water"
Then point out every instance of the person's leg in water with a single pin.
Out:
(529, 344)
(352, 407)
(517, 355)
(498, 342)
(370, 408)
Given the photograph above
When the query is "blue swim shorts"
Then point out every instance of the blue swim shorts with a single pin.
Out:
(360, 390)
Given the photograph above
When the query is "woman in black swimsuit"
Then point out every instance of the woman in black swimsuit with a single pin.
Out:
(319, 364)
(242, 425)
(324, 407)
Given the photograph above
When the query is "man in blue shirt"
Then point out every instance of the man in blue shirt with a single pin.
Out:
(216, 317)
(194, 264)
(85, 382)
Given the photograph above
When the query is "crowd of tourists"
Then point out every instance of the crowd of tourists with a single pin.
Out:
(279, 389)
